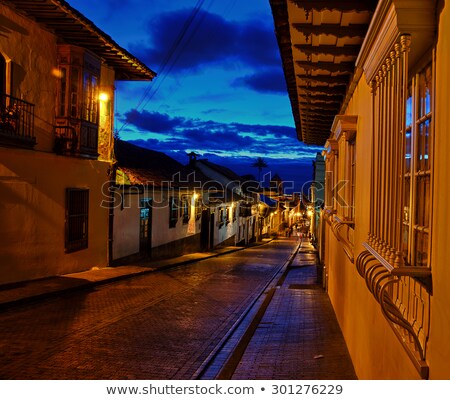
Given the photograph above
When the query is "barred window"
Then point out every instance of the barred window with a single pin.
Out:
(198, 207)
(186, 209)
(77, 215)
(417, 177)
(173, 212)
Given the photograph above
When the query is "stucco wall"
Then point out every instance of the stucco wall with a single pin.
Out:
(126, 226)
(32, 214)
(127, 220)
(32, 52)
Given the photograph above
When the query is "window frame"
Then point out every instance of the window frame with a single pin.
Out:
(173, 211)
(186, 208)
(73, 212)
(414, 174)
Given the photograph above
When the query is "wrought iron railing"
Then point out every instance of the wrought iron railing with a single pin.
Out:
(16, 122)
(66, 140)
(404, 299)
(74, 137)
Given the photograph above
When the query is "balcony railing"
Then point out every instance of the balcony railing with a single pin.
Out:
(74, 137)
(16, 122)
(404, 299)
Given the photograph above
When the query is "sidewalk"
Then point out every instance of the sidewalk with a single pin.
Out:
(22, 292)
(299, 336)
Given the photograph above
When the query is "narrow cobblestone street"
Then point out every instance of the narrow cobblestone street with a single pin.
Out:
(159, 326)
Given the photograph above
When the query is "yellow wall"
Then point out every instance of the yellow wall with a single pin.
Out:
(32, 214)
(439, 343)
(33, 182)
(33, 54)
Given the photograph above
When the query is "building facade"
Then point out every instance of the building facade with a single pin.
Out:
(369, 81)
(56, 142)
(157, 208)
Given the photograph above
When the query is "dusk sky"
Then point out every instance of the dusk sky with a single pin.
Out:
(220, 89)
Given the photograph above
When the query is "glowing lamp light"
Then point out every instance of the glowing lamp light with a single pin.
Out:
(196, 195)
(57, 73)
(309, 213)
(103, 96)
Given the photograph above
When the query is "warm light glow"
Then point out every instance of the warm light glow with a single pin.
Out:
(310, 213)
(196, 195)
(103, 96)
(57, 73)
(298, 214)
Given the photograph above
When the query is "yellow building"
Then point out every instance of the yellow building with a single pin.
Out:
(57, 74)
(369, 81)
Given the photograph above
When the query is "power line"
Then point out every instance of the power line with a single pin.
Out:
(169, 55)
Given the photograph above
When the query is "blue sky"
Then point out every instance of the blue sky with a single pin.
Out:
(220, 89)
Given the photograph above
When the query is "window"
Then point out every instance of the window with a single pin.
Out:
(145, 224)
(228, 211)
(341, 167)
(78, 106)
(186, 209)
(198, 207)
(90, 97)
(352, 177)
(69, 89)
(2, 74)
(391, 156)
(77, 215)
(173, 211)
(417, 176)
(221, 219)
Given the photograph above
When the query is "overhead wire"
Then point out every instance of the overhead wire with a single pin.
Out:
(147, 95)
(177, 56)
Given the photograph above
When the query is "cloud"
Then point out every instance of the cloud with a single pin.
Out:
(153, 121)
(266, 81)
(178, 136)
(210, 39)
(193, 128)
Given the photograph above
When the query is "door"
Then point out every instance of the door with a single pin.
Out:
(211, 231)
(204, 241)
(145, 234)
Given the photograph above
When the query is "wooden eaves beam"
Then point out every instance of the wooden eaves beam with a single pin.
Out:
(344, 67)
(333, 5)
(349, 50)
(355, 30)
(331, 80)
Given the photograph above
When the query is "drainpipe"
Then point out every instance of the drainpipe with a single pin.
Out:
(111, 204)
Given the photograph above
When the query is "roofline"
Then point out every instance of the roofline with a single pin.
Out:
(141, 71)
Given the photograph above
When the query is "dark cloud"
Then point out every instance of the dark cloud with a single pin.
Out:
(213, 111)
(205, 130)
(266, 81)
(265, 130)
(153, 121)
(210, 39)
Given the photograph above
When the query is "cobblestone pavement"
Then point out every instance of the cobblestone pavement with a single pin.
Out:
(156, 326)
(299, 336)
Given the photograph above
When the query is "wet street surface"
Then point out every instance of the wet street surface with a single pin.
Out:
(162, 325)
